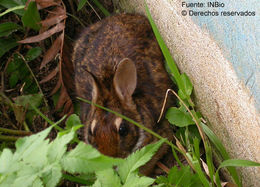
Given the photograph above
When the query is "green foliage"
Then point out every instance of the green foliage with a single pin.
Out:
(19, 72)
(37, 161)
(9, 27)
(6, 44)
(97, 3)
(11, 4)
(178, 117)
(183, 177)
(31, 17)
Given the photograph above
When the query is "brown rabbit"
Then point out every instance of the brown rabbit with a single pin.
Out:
(118, 64)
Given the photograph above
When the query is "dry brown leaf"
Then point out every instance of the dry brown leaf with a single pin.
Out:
(52, 52)
(57, 87)
(68, 107)
(57, 11)
(50, 76)
(62, 99)
(46, 3)
(53, 20)
(59, 27)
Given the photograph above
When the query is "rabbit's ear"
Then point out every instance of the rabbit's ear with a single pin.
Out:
(86, 88)
(125, 79)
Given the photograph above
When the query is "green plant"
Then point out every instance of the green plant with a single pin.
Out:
(39, 162)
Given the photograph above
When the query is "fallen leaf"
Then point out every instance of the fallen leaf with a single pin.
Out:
(59, 27)
(52, 51)
(53, 20)
(57, 87)
(50, 75)
(46, 3)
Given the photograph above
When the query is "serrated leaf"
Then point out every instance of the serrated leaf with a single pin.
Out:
(73, 120)
(6, 44)
(31, 17)
(33, 53)
(28, 100)
(84, 159)
(58, 147)
(8, 28)
(134, 180)
(6, 160)
(108, 177)
(137, 159)
(52, 175)
(24, 146)
(178, 117)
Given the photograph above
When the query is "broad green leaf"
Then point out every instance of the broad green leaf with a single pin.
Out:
(6, 160)
(6, 44)
(84, 159)
(33, 53)
(59, 146)
(137, 159)
(25, 176)
(51, 174)
(73, 120)
(178, 117)
(31, 17)
(8, 28)
(13, 3)
(108, 177)
(24, 146)
(33, 99)
(13, 79)
(81, 4)
(134, 180)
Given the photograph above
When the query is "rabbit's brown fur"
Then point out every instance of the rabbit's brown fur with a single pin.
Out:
(118, 64)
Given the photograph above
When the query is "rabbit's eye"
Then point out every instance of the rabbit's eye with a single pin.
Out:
(123, 129)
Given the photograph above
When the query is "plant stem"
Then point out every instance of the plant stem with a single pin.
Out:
(15, 132)
(8, 138)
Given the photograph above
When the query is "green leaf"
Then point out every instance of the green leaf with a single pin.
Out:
(178, 117)
(85, 159)
(6, 160)
(101, 7)
(137, 159)
(219, 146)
(8, 28)
(33, 53)
(31, 17)
(12, 4)
(238, 163)
(59, 146)
(13, 79)
(51, 175)
(12, 9)
(166, 53)
(6, 44)
(81, 4)
(73, 120)
(24, 146)
(108, 177)
(135, 181)
(187, 84)
(33, 99)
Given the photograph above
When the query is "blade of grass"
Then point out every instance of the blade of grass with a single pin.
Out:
(12, 9)
(219, 146)
(169, 60)
(101, 7)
